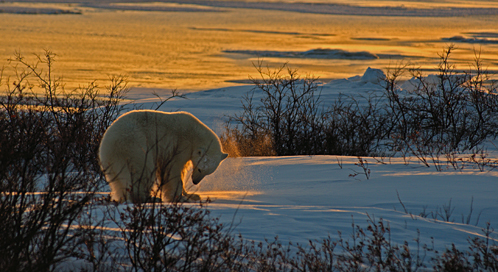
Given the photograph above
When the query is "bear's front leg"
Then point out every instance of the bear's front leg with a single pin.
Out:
(173, 191)
(191, 197)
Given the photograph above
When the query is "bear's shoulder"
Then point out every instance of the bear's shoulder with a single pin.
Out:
(178, 114)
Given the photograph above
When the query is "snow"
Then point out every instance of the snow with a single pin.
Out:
(301, 198)
(375, 76)
(431, 81)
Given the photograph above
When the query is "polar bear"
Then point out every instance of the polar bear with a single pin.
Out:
(148, 153)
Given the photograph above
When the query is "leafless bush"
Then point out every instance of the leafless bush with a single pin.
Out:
(371, 249)
(290, 119)
(164, 237)
(288, 114)
(355, 126)
(160, 236)
(238, 144)
(450, 113)
(482, 255)
(453, 112)
(49, 169)
(316, 256)
(363, 164)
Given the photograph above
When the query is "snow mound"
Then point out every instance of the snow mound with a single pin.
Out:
(430, 81)
(375, 76)
(371, 81)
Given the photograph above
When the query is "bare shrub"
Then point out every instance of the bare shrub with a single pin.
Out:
(354, 128)
(453, 260)
(444, 115)
(175, 237)
(288, 114)
(49, 169)
(316, 256)
(160, 236)
(363, 164)
(484, 251)
(290, 119)
(453, 112)
(236, 144)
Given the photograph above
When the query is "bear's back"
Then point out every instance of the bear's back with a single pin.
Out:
(150, 119)
(150, 123)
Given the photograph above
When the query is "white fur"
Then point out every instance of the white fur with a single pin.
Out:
(149, 152)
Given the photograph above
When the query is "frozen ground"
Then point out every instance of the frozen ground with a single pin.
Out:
(198, 45)
(419, 8)
(299, 198)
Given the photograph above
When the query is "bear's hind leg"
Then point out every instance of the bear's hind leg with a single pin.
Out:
(142, 181)
(120, 182)
(128, 184)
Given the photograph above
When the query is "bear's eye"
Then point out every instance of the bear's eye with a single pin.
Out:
(199, 170)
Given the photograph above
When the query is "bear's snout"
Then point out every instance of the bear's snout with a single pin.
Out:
(197, 176)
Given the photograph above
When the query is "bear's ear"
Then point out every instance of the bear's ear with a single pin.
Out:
(224, 156)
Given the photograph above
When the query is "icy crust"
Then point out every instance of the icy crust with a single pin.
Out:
(350, 9)
(48, 9)
(319, 53)
(450, 10)
(453, 10)
(489, 38)
(374, 76)
(154, 6)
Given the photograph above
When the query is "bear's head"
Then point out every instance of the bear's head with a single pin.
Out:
(206, 160)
